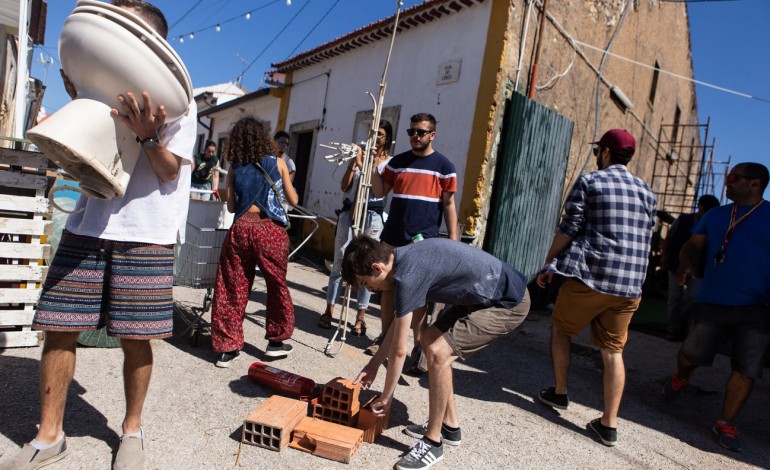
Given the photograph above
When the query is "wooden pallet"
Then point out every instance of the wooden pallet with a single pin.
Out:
(25, 222)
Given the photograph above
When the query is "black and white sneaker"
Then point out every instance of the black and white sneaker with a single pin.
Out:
(278, 349)
(421, 455)
(226, 358)
(451, 437)
(608, 436)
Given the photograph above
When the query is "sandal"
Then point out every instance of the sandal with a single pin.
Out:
(359, 329)
(325, 321)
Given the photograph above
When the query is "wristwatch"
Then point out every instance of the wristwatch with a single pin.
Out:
(149, 142)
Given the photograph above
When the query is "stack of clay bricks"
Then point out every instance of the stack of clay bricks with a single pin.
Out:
(329, 433)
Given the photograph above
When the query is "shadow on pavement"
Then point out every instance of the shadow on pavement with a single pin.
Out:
(19, 389)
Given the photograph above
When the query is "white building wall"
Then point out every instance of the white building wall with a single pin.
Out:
(412, 85)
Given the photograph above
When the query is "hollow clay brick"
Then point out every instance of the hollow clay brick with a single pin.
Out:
(325, 439)
(372, 425)
(271, 424)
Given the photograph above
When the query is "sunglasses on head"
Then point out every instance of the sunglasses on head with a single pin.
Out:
(420, 132)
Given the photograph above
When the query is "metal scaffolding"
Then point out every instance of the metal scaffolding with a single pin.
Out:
(685, 168)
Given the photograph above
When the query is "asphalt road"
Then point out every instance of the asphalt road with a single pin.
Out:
(194, 411)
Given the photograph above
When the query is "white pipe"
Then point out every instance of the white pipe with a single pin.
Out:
(522, 45)
(22, 71)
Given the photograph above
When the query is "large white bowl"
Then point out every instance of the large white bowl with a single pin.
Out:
(107, 51)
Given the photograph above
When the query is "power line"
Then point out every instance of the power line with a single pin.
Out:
(676, 75)
(185, 14)
(313, 28)
(272, 41)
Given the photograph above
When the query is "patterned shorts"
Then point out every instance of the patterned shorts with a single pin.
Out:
(124, 286)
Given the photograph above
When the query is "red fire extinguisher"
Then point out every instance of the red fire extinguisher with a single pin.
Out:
(281, 380)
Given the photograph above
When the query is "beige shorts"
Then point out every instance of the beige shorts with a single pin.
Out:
(468, 331)
(609, 315)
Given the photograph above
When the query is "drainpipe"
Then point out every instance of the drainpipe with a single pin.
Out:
(535, 66)
(22, 72)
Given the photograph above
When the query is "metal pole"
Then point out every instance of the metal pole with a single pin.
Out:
(361, 203)
(535, 66)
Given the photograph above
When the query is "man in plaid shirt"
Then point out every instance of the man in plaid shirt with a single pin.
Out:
(601, 248)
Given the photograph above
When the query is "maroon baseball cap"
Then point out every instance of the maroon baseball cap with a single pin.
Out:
(619, 141)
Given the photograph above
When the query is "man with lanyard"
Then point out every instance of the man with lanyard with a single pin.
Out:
(734, 299)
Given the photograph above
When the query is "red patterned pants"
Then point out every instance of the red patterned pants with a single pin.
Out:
(252, 241)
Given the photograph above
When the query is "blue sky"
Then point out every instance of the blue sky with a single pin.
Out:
(730, 48)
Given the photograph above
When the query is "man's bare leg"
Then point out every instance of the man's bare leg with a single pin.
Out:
(57, 368)
(614, 379)
(561, 354)
(137, 370)
(442, 407)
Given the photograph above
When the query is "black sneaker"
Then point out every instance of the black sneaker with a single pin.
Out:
(548, 396)
(412, 364)
(226, 358)
(278, 350)
(375, 346)
(608, 436)
(421, 455)
(453, 438)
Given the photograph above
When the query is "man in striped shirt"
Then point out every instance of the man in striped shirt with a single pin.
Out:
(423, 182)
(601, 248)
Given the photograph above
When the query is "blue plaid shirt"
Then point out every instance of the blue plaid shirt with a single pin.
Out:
(609, 215)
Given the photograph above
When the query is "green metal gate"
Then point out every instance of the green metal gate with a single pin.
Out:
(528, 187)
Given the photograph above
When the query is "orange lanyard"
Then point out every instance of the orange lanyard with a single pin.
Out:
(720, 256)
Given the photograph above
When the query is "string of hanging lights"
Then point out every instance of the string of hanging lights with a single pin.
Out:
(218, 26)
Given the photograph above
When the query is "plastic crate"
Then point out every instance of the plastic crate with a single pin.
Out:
(198, 257)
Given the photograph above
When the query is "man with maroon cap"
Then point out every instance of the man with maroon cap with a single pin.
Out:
(601, 247)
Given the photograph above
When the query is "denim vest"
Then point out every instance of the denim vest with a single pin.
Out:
(251, 187)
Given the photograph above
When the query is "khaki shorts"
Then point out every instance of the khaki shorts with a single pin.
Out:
(609, 315)
(468, 331)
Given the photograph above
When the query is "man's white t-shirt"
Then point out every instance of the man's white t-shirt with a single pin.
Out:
(289, 163)
(150, 212)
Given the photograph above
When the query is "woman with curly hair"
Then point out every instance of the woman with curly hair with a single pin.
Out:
(256, 238)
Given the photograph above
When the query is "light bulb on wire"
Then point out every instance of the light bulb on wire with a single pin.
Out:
(192, 35)
(181, 39)
(218, 28)
(248, 16)
(288, 3)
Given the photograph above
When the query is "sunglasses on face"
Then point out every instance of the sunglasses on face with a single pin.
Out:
(282, 142)
(733, 177)
(420, 132)
(597, 151)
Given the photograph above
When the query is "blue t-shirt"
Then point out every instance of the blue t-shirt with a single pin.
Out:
(744, 276)
(451, 272)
